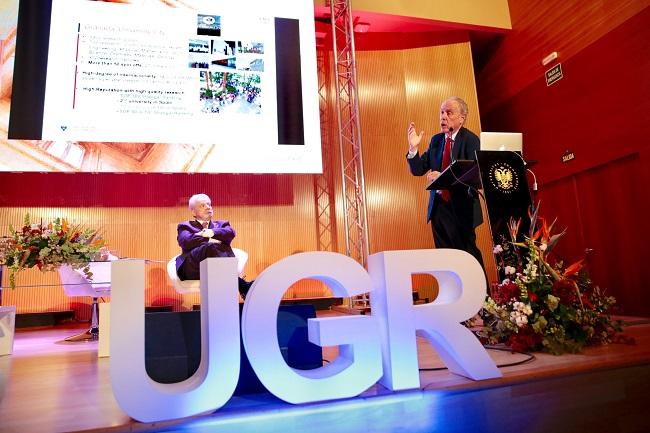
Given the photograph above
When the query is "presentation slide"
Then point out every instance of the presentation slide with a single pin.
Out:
(220, 87)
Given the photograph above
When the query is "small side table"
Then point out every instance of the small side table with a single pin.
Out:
(7, 329)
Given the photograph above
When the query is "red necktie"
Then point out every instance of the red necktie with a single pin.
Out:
(446, 159)
(205, 224)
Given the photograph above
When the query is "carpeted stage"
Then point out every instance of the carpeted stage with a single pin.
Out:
(52, 386)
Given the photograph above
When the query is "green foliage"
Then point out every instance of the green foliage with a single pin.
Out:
(542, 305)
(48, 246)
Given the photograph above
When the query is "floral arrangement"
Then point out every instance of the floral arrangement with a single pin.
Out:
(540, 305)
(48, 246)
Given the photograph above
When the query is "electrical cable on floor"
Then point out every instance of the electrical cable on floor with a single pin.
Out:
(530, 357)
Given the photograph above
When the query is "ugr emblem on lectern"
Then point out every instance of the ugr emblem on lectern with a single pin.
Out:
(503, 177)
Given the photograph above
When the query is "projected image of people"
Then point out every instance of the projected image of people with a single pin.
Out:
(232, 93)
(250, 47)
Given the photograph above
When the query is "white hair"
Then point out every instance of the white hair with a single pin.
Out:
(462, 105)
(195, 198)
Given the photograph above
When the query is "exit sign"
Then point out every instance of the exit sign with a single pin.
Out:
(554, 74)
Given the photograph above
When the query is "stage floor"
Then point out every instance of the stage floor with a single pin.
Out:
(52, 386)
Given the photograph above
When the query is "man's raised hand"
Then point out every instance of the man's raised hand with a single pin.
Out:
(413, 137)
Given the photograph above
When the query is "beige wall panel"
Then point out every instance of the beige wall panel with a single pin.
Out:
(434, 73)
(394, 200)
(394, 88)
(397, 87)
(489, 13)
(267, 233)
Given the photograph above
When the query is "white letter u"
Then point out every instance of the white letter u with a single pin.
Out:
(212, 385)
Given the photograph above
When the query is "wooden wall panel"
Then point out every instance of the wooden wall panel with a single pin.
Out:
(612, 215)
(268, 233)
(394, 87)
(539, 28)
(398, 87)
(602, 219)
(599, 111)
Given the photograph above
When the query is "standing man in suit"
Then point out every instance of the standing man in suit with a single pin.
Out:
(201, 237)
(454, 213)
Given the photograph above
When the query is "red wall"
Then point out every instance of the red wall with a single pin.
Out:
(142, 190)
(599, 111)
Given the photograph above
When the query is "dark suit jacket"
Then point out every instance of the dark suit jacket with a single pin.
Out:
(189, 238)
(467, 207)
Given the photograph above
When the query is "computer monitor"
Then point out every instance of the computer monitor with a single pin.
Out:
(501, 141)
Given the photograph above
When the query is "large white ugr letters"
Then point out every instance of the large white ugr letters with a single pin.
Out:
(365, 342)
(461, 293)
(216, 378)
(358, 365)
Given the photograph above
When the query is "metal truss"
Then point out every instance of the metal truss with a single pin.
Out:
(347, 108)
(324, 183)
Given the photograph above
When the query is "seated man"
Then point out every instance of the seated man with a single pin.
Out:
(201, 237)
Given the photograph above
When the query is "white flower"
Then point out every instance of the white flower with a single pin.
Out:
(506, 281)
(510, 270)
(497, 249)
(518, 318)
(531, 270)
(543, 247)
(522, 308)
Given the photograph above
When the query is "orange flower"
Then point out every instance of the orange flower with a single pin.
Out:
(513, 225)
(574, 268)
(543, 233)
(64, 225)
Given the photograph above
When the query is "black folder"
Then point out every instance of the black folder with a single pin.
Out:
(460, 172)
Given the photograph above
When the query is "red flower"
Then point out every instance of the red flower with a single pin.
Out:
(586, 302)
(505, 292)
(532, 296)
(523, 341)
(565, 290)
